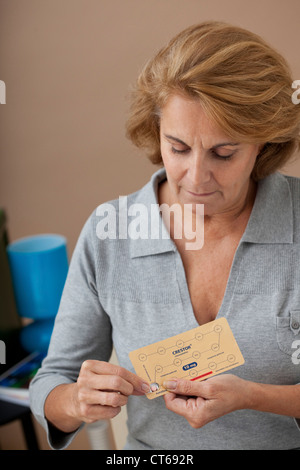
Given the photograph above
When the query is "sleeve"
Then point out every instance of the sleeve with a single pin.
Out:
(82, 330)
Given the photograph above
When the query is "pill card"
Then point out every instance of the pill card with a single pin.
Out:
(196, 354)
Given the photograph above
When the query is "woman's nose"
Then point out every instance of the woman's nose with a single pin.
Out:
(199, 171)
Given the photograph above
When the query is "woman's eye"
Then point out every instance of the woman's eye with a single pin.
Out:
(213, 152)
(222, 157)
(174, 150)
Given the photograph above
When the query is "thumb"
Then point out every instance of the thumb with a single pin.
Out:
(183, 387)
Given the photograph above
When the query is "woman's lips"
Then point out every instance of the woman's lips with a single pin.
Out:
(201, 194)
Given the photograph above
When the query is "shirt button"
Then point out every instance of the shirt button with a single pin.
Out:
(295, 325)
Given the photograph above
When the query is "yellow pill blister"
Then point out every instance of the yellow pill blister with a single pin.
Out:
(196, 354)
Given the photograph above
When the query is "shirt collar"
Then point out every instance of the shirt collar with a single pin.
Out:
(271, 219)
(149, 198)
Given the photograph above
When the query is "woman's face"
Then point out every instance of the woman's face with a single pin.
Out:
(202, 164)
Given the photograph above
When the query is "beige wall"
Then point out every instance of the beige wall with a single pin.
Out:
(68, 66)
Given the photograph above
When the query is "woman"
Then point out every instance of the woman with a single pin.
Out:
(214, 108)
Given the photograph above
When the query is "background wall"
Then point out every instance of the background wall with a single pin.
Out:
(68, 66)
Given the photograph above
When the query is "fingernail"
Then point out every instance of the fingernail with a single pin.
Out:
(145, 387)
(170, 384)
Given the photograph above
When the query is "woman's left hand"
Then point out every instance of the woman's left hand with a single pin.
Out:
(202, 402)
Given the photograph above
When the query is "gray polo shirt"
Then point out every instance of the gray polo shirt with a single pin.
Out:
(132, 292)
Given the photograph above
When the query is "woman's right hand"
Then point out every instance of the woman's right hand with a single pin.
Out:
(99, 393)
(102, 389)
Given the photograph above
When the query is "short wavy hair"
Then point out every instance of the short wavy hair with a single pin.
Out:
(243, 84)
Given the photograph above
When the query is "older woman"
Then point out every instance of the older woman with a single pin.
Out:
(214, 108)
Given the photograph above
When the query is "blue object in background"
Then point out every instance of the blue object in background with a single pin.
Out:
(36, 336)
(39, 267)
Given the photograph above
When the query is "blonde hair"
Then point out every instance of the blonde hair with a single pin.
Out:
(242, 83)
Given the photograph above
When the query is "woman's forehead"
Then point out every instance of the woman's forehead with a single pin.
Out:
(185, 119)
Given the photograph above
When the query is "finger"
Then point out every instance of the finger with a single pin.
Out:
(112, 399)
(101, 367)
(111, 383)
(104, 398)
(183, 405)
(183, 387)
(192, 409)
(178, 404)
(92, 413)
(89, 382)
